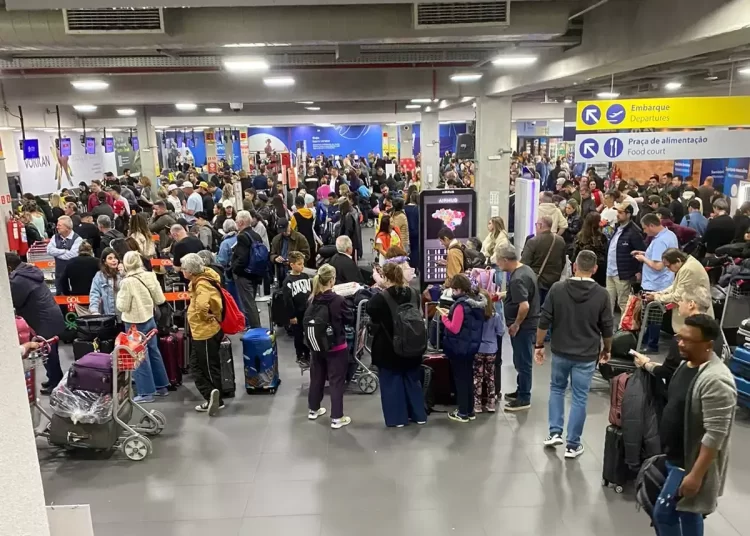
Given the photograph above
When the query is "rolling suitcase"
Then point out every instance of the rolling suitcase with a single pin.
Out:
(172, 352)
(227, 369)
(102, 327)
(441, 384)
(261, 361)
(614, 471)
(82, 347)
(93, 372)
(64, 433)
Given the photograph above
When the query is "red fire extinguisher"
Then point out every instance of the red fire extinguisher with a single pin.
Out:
(17, 236)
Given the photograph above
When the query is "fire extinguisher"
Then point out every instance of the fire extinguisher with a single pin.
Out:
(17, 236)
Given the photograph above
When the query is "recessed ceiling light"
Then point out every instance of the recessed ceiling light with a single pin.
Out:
(392, 124)
(89, 85)
(323, 124)
(608, 94)
(6, 128)
(245, 65)
(466, 77)
(162, 127)
(473, 104)
(312, 108)
(126, 111)
(744, 70)
(466, 99)
(672, 86)
(213, 110)
(51, 130)
(428, 108)
(186, 106)
(84, 108)
(255, 45)
(413, 106)
(443, 104)
(308, 102)
(513, 61)
(261, 126)
(200, 128)
(568, 100)
(279, 81)
(711, 77)
(421, 101)
(556, 120)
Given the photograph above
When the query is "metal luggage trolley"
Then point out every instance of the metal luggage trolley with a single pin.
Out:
(38, 256)
(31, 362)
(651, 313)
(736, 309)
(366, 379)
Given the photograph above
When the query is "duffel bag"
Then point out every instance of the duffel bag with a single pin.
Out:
(102, 327)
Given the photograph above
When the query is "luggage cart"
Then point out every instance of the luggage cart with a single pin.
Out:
(31, 362)
(38, 256)
(736, 309)
(366, 379)
(651, 313)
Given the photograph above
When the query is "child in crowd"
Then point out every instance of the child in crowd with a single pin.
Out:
(464, 323)
(296, 291)
(484, 362)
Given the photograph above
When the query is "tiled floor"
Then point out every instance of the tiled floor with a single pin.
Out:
(261, 468)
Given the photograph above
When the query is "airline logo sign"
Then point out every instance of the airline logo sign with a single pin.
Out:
(680, 112)
(636, 146)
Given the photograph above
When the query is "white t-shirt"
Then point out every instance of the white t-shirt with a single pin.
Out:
(194, 203)
(610, 215)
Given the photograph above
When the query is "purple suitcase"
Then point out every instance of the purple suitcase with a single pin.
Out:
(93, 372)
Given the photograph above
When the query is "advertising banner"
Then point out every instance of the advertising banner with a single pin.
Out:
(448, 136)
(714, 167)
(641, 146)
(734, 172)
(268, 140)
(340, 139)
(663, 113)
(125, 156)
(683, 168)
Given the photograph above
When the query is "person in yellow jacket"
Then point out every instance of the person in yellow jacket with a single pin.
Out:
(203, 316)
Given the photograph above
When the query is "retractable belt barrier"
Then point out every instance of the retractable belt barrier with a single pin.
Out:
(84, 300)
(47, 265)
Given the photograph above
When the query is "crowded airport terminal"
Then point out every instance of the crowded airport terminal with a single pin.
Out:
(333, 268)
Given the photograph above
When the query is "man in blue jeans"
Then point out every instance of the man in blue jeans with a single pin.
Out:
(521, 306)
(579, 312)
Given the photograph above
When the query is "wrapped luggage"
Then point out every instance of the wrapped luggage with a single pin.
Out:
(85, 407)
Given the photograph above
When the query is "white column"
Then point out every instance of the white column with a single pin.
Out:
(21, 493)
(429, 134)
(493, 167)
(405, 141)
(6, 205)
(147, 144)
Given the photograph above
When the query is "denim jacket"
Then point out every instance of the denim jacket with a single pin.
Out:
(225, 250)
(102, 295)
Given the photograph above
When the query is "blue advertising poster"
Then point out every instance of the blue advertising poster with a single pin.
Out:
(221, 149)
(448, 135)
(90, 145)
(65, 148)
(134, 141)
(188, 145)
(714, 167)
(30, 149)
(267, 140)
(340, 139)
(736, 171)
(109, 145)
(683, 168)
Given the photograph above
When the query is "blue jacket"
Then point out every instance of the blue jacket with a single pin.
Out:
(102, 295)
(412, 218)
(225, 250)
(465, 344)
(630, 240)
(695, 220)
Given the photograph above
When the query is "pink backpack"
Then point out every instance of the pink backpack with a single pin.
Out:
(24, 331)
(484, 278)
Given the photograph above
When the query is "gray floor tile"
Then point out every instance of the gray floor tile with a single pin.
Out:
(224, 527)
(445, 522)
(281, 526)
(292, 466)
(284, 498)
(737, 513)
(617, 517)
(717, 525)
(178, 503)
(524, 521)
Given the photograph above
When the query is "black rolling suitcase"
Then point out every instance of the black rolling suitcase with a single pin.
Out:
(614, 471)
(83, 347)
(621, 360)
(227, 369)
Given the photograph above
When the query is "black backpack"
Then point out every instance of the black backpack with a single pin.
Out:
(649, 482)
(409, 330)
(317, 329)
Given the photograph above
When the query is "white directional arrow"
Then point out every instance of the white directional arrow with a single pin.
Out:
(591, 115)
(588, 149)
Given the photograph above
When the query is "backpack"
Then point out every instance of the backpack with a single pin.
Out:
(616, 392)
(257, 261)
(473, 258)
(649, 482)
(317, 329)
(232, 320)
(409, 331)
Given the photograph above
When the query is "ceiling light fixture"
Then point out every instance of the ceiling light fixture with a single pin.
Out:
(672, 86)
(473, 104)
(428, 109)
(608, 94)
(126, 111)
(711, 77)
(186, 106)
(279, 81)
(89, 85)
(6, 128)
(213, 110)
(556, 120)
(513, 61)
(421, 101)
(84, 108)
(245, 65)
(465, 77)
(255, 45)
(162, 127)
(312, 108)
(568, 100)
(308, 102)
(324, 124)
(443, 104)
(261, 126)
(413, 106)
(744, 70)
(466, 99)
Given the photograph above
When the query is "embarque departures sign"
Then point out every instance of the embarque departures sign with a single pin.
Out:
(678, 112)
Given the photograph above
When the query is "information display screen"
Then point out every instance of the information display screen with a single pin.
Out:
(454, 209)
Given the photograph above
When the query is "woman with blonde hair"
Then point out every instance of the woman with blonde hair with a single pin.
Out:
(147, 195)
(139, 293)
(58, 206)
(497, 236)
(331, 365)
(140, 231)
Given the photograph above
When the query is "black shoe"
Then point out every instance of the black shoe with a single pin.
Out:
(46, 391)
(516, 405)
(511, 396)
(45, 385)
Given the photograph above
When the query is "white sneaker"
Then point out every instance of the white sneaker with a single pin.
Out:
(312, 415)
(340, 423)
(573, 453)
(214, 404)
(203, 408)
(553, 440)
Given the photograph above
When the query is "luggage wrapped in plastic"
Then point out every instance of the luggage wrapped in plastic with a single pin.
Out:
(79, 406)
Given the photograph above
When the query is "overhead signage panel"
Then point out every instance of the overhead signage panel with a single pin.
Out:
(681, 112)
(636, 146)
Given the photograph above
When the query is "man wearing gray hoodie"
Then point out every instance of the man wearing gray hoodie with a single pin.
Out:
(580, 316)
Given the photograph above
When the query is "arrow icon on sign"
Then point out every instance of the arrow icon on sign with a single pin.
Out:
(588, 148)
(591, 116)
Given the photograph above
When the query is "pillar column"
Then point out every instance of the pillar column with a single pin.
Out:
(429, 134)
(147, 146)
(492, 176)
(212, 160)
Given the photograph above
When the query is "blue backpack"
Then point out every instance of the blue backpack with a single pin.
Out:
(257, 262)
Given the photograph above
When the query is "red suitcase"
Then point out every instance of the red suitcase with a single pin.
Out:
(172, 348)
(441, 383)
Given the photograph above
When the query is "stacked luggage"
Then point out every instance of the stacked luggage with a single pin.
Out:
(261, 361)
(739, 364)
(95, 333)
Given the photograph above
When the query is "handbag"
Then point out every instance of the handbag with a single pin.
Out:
(162, 312)
(631, 317)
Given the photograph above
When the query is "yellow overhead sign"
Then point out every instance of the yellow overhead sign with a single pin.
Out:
(681, 112)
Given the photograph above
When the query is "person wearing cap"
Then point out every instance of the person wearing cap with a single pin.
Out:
(206, 197)
(193, 203)
(285, 241)
(622, 267)
(173, 200)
